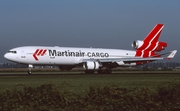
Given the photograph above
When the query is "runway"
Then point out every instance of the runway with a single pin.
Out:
(76, 73)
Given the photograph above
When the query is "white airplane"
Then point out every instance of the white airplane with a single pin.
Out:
(93, 59)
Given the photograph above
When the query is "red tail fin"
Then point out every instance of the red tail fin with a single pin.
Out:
(151, 44)
(154, 34)
(152, 38)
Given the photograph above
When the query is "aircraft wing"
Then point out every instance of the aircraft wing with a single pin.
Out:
(125, 60)
(134, 59)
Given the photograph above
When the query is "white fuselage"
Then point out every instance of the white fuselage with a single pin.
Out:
(42, 55)
(93, 59)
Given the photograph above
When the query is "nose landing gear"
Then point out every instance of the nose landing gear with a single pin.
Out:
(30, 66)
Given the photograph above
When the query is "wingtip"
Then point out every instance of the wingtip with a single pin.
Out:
(172, 54)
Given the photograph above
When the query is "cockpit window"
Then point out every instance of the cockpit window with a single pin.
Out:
(14, 52)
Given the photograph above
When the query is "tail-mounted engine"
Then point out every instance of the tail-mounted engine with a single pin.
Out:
(141, 45)
(91, 65)
(137, 44)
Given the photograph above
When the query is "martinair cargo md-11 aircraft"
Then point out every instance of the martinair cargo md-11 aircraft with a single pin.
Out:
(93, 59)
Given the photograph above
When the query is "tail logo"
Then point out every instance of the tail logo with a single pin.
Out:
(150, 44)
(39, 52)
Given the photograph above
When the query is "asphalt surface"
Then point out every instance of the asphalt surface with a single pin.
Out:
(82, 73)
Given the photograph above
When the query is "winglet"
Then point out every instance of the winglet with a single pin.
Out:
(172, 54)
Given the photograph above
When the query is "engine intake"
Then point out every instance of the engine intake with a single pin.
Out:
(137, 44)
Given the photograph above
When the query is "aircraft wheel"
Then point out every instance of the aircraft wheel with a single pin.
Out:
(89, 71)
(29, 68)
(104, 71)
(29, 72)
(100, 72)
(109, 71)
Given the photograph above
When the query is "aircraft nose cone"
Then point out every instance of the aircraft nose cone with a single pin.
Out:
(6, 56)
(10, 57)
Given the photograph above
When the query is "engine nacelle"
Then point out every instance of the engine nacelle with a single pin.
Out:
(159, 46)
(91, 65)
(137, 44)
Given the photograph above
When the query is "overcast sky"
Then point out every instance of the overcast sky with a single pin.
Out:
(86, 23)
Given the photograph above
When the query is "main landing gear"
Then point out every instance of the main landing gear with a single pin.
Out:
(106, 71)
(89, 71)
(29, 68)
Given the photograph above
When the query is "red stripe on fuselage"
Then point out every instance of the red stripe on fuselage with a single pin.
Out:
(43, 52)
(39, 52)
(34, 55)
